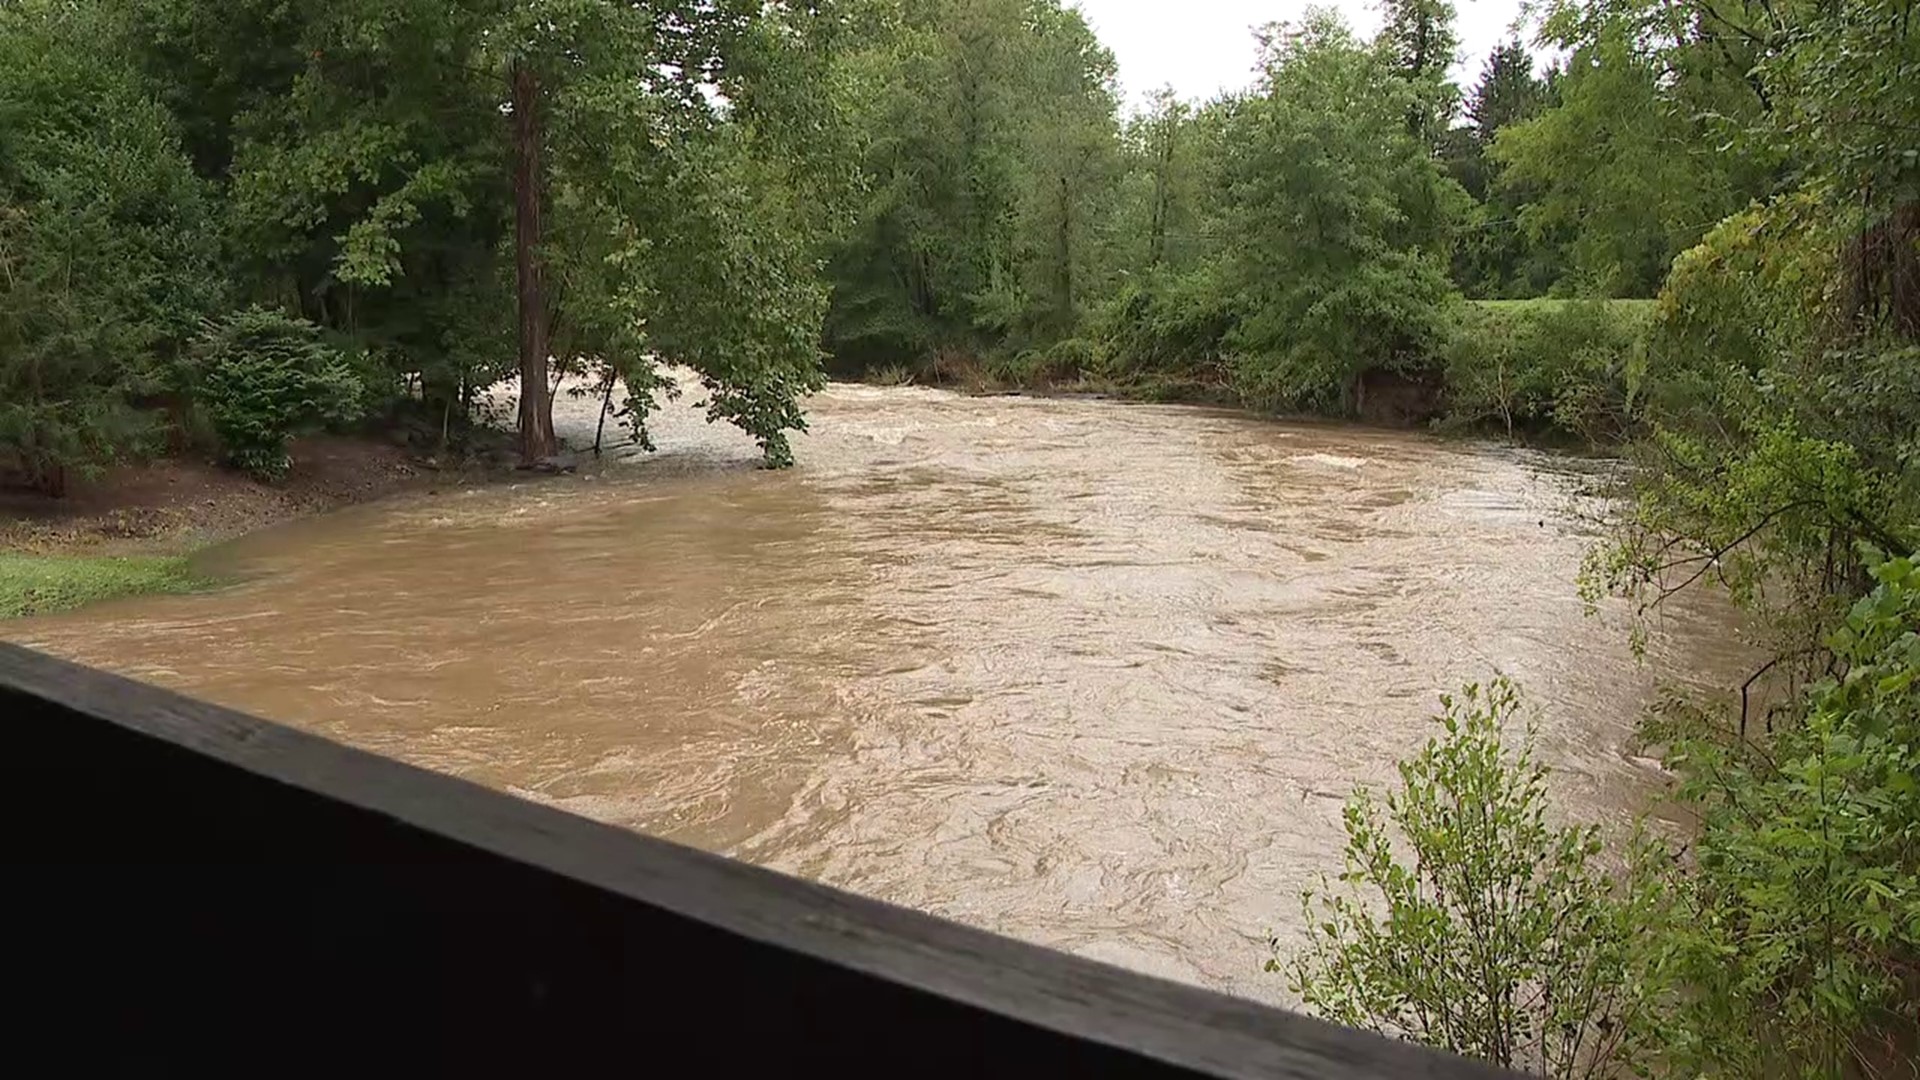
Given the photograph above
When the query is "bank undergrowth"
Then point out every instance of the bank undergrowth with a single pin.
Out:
(1560, 370)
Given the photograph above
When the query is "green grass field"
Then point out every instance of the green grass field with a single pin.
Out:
(37, 584)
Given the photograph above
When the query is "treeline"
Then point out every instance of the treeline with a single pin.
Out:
(227, 222)
(1342, 238)
(413, 200)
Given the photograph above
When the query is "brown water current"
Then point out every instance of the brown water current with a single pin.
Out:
(1092, 674)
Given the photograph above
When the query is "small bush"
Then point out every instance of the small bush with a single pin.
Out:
(1069, 360)
(1010, 369)
(1502, 938)
(1537, 364)
(264, 377)
(1168, 325)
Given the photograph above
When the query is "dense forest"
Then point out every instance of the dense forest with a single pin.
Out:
(1687, 231)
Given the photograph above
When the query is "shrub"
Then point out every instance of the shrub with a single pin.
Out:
(1170, 324)
(1784, 423)
(264, 377)
(1309, 348)
(1006, 368)
(1502, 939)
(1755, 294)
(1799, 940)
(1533, 364)
(1068, 360)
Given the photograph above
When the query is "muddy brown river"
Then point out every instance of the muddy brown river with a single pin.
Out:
(1096, 675)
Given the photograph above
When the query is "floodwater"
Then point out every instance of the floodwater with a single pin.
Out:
(1093, 674)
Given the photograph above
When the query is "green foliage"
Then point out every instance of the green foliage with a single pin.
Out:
(890, 375)
(1628, 167)
(40, 584)
(1755, 293)
(1418, 42)
(1493, 256)
(1338, 216)
(1784, 432)
(1170, 323)
(364, 152)
(1497, 935)
(1840, 79)
(263, 378)
(1508, 92)
(993, 147)
(1065, 362)
(1781, 392)
(358, 156)
(731, 284)
(1798, 936)
(1787, 942)
(106, 255)
(1069, 359)
(1570, 366)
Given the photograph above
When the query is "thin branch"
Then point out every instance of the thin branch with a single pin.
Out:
(1747, 687)
(1713, 558)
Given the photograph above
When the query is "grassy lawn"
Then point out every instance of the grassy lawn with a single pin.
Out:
(36, 584)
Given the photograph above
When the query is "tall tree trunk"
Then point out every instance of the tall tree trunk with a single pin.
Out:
(1063, 272)
(536, 402)
(1162, 193)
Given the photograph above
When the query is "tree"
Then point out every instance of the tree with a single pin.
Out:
(107, 252)
(1495, 257)
(359, 158)
(1338, 218)
(1507, 93)
(1156, 136)
(1418, 41)
(994, 145)
(390, 161)
(1073, 161)
(1418, 37)
(1628, 164)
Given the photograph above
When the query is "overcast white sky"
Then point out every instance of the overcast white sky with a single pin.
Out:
(1202, 47)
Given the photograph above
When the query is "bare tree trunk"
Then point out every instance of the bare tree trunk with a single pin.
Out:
(606, 403)
(536, 401)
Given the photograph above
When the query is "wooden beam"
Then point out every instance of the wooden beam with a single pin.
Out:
(196, 887)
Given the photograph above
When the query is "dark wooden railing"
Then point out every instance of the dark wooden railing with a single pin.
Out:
(194, 890)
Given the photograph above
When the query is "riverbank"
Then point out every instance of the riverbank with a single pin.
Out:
(132, 530)
(1555, 373)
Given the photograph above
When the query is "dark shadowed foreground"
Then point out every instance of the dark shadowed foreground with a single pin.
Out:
(298, 895)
